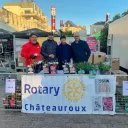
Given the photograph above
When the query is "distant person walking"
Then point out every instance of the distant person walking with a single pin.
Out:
(48, 49)
(31, 50)
(81, 50)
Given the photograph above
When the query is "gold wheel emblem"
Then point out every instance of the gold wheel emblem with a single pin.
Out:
(74, 90)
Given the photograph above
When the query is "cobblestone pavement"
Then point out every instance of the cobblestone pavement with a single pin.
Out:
(19, 120)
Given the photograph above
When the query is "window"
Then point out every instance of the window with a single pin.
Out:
(27, 11)
(27, 18)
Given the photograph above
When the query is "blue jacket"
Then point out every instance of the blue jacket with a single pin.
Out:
(64, 53)
(49, 47)
(81, 51)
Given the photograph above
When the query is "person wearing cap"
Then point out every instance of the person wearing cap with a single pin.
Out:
(63, 52)
(30, 51)
(48, 49)
(81, 50)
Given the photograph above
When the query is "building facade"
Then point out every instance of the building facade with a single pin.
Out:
(70, 26)
(24, 15)
(97, 27)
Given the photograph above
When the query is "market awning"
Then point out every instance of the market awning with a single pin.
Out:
(26, 33)
(5, 34)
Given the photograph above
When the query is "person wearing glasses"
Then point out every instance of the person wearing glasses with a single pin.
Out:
(81, 50)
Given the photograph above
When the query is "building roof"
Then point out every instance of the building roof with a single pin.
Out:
(21, 4)
(99, 23)
(6, 27)
(70, 23)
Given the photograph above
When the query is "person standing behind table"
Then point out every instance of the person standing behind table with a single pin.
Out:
(63, 52)
(81, 50)
(31, 50)
(48, 49)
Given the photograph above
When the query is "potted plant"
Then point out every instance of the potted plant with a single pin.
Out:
(87, 67)
(93, 71)
(80, 68)
(104, 68)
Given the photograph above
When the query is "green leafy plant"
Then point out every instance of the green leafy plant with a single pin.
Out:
(93, 67)
(103, 67)
(79, 66)
(84, 66)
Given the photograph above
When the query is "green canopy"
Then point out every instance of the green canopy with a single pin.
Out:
(97, 35)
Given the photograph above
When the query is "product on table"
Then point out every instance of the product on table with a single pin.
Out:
(66, 68)
(46, 69)
(30, 69)
(72, 69)
(53, 68)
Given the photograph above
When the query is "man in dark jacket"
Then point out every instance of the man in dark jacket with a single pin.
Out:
(63, 52)
(81, 50)
(48, 49)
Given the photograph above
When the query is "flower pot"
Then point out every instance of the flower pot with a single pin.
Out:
(86, 72)
(81, 72)
(92, 74)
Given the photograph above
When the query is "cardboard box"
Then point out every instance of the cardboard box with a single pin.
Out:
(99, 57)
(120, 79)
(90, 60)
(115, 63)
(118, 72)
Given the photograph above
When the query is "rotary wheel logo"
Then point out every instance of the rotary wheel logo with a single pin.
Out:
(74, 90)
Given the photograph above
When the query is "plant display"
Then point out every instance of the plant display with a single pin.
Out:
(103, 67)
(13, 101)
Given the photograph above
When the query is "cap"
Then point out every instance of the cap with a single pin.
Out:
(62, 37)
(50, 34)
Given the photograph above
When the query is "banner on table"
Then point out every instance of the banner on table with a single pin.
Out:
(68, 94)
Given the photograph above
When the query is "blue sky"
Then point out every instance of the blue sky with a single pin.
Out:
(81, 12)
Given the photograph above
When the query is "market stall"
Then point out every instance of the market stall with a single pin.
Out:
(81, 88)
(6, 51)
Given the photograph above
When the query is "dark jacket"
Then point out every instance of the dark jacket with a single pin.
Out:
(81, 51)
(49, 47)
(64, 53)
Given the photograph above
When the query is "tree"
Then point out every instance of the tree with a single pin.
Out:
(103, 39)
(68, 33)
(116, 17)
(125, 13)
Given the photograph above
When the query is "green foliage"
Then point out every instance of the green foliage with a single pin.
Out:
(67, 33)
(103, 39)
(103, 67)
(125, 13)
(84, 65)
(104, 32)
(116, 17)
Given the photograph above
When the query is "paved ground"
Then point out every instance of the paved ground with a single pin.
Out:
(19, 120)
